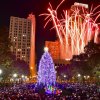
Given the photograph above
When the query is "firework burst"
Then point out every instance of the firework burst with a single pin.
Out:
(75, 29)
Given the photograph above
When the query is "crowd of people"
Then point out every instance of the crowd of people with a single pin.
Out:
(70, 91)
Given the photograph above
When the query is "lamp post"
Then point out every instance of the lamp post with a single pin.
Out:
(0, 74)
(1, 71)
(15, 75)
(79, 77)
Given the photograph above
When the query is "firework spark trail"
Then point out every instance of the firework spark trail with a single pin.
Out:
(74, 30)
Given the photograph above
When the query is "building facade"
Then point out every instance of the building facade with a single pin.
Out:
(21, 33)
(54, 49)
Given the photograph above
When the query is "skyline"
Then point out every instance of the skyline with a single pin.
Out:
(22, 8)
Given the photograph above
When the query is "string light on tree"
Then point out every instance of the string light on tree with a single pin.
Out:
(46, 72)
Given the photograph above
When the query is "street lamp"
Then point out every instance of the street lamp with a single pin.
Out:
(79, 75)
(1, 71)
(85, 77)
(15, 75)
(23, 76)
(64, 76)
(88, 76)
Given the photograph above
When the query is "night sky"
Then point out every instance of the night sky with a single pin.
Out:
(21, 8)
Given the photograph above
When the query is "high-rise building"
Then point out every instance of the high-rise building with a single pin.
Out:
(81, 6)
(22, 35)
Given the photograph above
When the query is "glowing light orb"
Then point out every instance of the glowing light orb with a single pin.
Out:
(15, 75)
(46, 49)
(1, 71)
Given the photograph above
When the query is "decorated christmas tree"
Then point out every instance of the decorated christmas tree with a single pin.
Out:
(46, 72)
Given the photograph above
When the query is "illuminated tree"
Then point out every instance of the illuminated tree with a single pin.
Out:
(46, 72)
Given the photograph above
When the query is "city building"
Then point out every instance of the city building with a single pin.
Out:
(54, 49)
(80, 6)
(22, 35)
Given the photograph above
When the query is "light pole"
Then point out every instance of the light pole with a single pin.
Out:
(79, 77)
(15, 77)
(1, 71)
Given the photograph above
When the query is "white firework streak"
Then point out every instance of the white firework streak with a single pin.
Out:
(74, 30)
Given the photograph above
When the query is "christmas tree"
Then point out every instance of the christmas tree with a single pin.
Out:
(46, 72)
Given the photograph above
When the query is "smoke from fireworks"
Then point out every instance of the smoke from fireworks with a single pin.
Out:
(75, 29)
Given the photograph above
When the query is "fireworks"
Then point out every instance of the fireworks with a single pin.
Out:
(75, 29)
